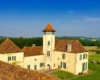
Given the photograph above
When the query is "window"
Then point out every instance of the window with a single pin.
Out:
(42, 64)
(61, 64)
(48, 53)
(83, 56)
(9, 58)
(13, 57)
(86, 56)
(63, 56)
(35, 67)
(64, 65)
(48, 43)
(80, 56)
(84, 66)
(28, 66)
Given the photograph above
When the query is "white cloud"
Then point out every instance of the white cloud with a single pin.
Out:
(71, 12)
(91, 19)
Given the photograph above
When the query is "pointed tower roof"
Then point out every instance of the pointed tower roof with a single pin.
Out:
(8, 46)
(49, 28)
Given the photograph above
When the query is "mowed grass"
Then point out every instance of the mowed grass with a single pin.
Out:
(95, 57)
(93, 74)
(63, 74)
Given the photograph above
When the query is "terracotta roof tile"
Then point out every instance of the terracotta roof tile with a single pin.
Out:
(61, 45)
(33, 50)
(49, 28)
(8, 46)
(10, 72)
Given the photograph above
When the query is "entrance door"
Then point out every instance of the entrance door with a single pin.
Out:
(48, 66)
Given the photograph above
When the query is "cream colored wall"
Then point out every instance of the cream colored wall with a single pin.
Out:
(31, 61)
(73, 62)
(79, 62)
(19, 58)
(48, 37)
(69, 60)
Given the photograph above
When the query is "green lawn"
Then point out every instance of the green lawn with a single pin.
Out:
(94, 57)
(93, 75)
(63, 74)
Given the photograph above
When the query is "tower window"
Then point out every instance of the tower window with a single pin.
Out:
(48, 53)
(48, 43)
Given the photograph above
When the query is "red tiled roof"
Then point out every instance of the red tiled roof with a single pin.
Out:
(61, 45)
(49, 28)
(8, 46)
(11, 72)
(33, 50)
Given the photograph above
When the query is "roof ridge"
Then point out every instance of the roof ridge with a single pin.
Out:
(77, 47)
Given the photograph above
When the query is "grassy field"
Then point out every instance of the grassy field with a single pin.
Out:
(89, 48)
(92, 49)
(94, 69)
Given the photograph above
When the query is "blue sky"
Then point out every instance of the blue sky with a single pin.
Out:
(27, 18)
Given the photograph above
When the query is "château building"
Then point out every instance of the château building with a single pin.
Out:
(67, 55)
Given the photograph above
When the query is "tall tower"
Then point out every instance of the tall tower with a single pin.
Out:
(48, 45)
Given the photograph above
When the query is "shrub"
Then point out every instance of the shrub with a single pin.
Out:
(98, 52)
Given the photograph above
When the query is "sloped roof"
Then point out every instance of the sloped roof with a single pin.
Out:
(10, 72)
(49, 28)
(33, 50)
(61, 45)
(8, 46)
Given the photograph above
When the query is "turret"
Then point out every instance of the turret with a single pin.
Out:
(48, 44)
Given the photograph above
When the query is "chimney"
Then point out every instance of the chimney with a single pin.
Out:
(33, 45)
(69, 47)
